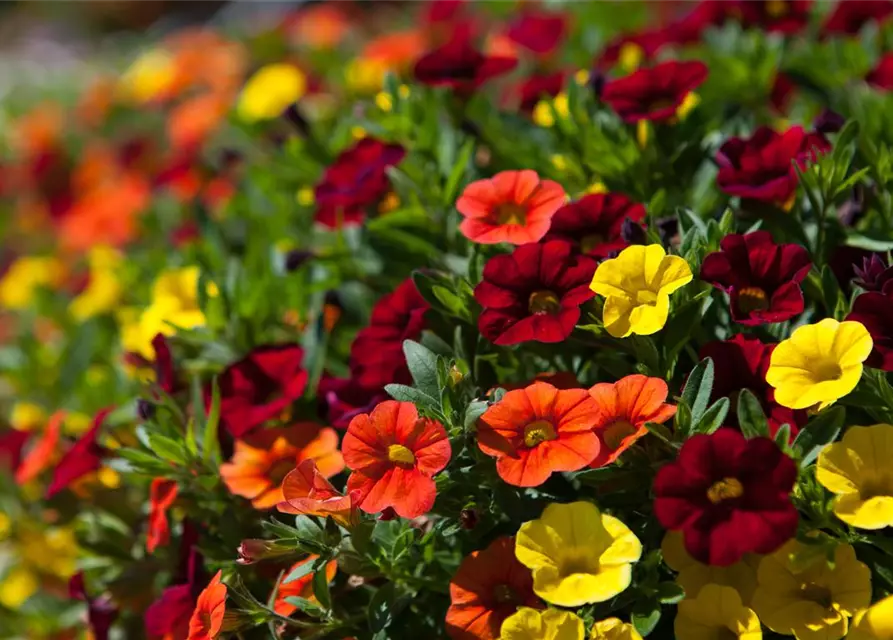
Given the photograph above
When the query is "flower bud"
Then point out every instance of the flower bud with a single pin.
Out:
(145, 409)
(296, 258)
(253, 550)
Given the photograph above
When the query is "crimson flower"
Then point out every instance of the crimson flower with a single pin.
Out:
(534, 293)
(774, 16)
(728, 495)
(169, 615)
(654, 93)
(781, 93)
(101, 611)
(850, 16)
(84, 457)
(460, 66)
(881, 76)
(539, 86)
(594, 223)
(874, 274)
(762, 278)
(344, 398)
(355, 181)
(875, 311)
(259, 387)
(761, 167)
(539, 32)
(165, 374)
(11, 445)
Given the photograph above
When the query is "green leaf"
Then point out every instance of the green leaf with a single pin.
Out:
(670, 592)
(303, 569)
(321, 588)
(420, 399)
(645, 616)
(380, 609)
(698, 388)
(452, 183)
(422, 365)
(783, 436)
(713, 417)
(307, 606)
(751, 418)
(210, 442)
(820, 431)
(167, 449)
(473, 411)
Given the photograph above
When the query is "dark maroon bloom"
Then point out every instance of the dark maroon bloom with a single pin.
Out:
(761, 167)
(782, 91)
(165, 375)
(874, 274)
(259, 387)
(537, 87)
(849, 16)
(875, 311)
(843, 262)
(355, 181)
(101, 612)
(881, 76)
(654, 93)
(168, 616)
(458, 65)
(11, 445)
(594, 223)
(345, 398)
(774, 16)
(762, 278)
(729, 496)
(646, 44)
(534, 293)
(539, 32)
(828, 121)
(84, 457)
(443, 10)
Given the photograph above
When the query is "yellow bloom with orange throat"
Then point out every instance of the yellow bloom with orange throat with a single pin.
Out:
(637, 285)
(270, 91)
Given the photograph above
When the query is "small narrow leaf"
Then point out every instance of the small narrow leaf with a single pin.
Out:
(820, 431)
(751, 418)
(698, 388)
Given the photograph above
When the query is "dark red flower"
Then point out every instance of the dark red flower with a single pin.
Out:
(875, 311)
(654, 93)
(645, 43)
(594, 223)
(101, 612)
(881, 76)
(782, 91)
(537, 31)
(762, 278)
(355, 181)
(443, 10)
(345, 398)
(11, 445)
(169, 615)
(844, 261)
(729, 496)
(849, 16)
(259, 387)
(84, 457)
(534, 293)
(774, 16)
(539, 86)
(761, 167)
(460, 66)
(874, 274)
(165, 376)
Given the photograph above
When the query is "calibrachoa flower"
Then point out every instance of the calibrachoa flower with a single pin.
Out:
(637, 285)
(874, 311)
(535, 624)
(781, 16)
(881, 77)
(762, 278)
(716, 612)
(614, 629)
(578, 554)
(594, 223)
(623, 408)
(533, 294)
(801, 593)
(26, 276)
(103, 289)
(819, 364)
(207, 619)
(654, 93)
(460, 66)
(270, 90)
(488, 587)
(539, 430)
(729, 496)
(162, 495)
(539, 32)
(874, 623)
(694, 575)
(856, 470)
(539, 86)
(512, 206)
(84, 457)
(301, 587)
(262, 460)
(393, 455)
(849, 17)
(306, 491)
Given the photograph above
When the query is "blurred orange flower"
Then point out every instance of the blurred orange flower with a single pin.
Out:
(162, 494)
(44, 453)
(300, 588)
(108, 214)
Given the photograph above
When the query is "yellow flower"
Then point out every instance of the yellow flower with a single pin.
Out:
(800, 593)
(857, 469)
(630, 56)
(578, 555)
(365, 75)
(150, 76)
(717, 612)
(26, 416)
(614, 629)
(819, 364)
(637, 285)
(384, 101)
(874, 623)
(690, 101)
(103, 289)
(25, 276)
(550, 624)
(305, 196)
(17, 586)
(546, 111)
(694, 575)
(270, 91)
(597, 187)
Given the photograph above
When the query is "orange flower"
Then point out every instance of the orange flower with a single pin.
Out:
(319, 26)
(537, 430)
(622, 410)
(162, 494)
(44, 452)
(192, 121)
(106, 214)
(512, 206)
(300, 588)
(394, 454)
(307, 492)
(207, 618)
(262, 460)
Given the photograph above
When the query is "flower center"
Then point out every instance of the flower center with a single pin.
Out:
(537, 432)
(279, 470)
(543, 301)
(817, 593)
(725, 489)
(591, 241)
(776, 8)
(511, 213)
(646, 296)
(578, 561)
(503, 594)
(828, 371)
(875, 487)
(400, 455)
(616, 432)
(752, 299)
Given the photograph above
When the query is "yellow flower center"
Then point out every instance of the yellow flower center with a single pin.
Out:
(876, 487)
(817, 593)
(646, 296)
(511, 213)
(828, 371)
(400, 455)
(591, 241)
(503, 594)
(752, 299)
(725, 489)
(616, 432)
(543, 302)
(537, 432)
(578, 561)
(776, 8)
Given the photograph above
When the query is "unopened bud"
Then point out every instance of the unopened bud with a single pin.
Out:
(455, 376)
(145, 409)
(632, 232)
(253, 550)
(828, 121)
(597, 82)
(296, 258)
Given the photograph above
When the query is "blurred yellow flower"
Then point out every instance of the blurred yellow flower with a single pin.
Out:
(857, 470)
(150, 77)
(637, 285)
(800, 593)
(717, 612)
(578, 554)
(270, 91)
(17, 586)
(548, 624)
(547, 111)
(874, 623)
(103, 288)
(630, 56)
(366, 75)
(27, 416)
(614, 629)
(25, 276)
(689, 102)
(35, 553)
(819, 364)
(384, 101)
(305, 196)
(694, 575)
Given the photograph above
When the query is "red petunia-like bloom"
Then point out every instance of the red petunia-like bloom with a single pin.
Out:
(539, 86)
(654, 93)
(84, 457)
(460, 66)
(512, 206)
(394, 455)
(344, 398)
(534, 293)
(881, 77)
(162, 495)
(539, 32)
(729, 496)
(207, 618)
(850, 16)
(761, 167)
(43, 453)
(169, 616)
(11, 445)
(306, 491)
(259, 387)
(594, 222)
(774, 16)
(488, 587)
(355, 181)
(762, 278)
(875, 311)
(536, 431)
